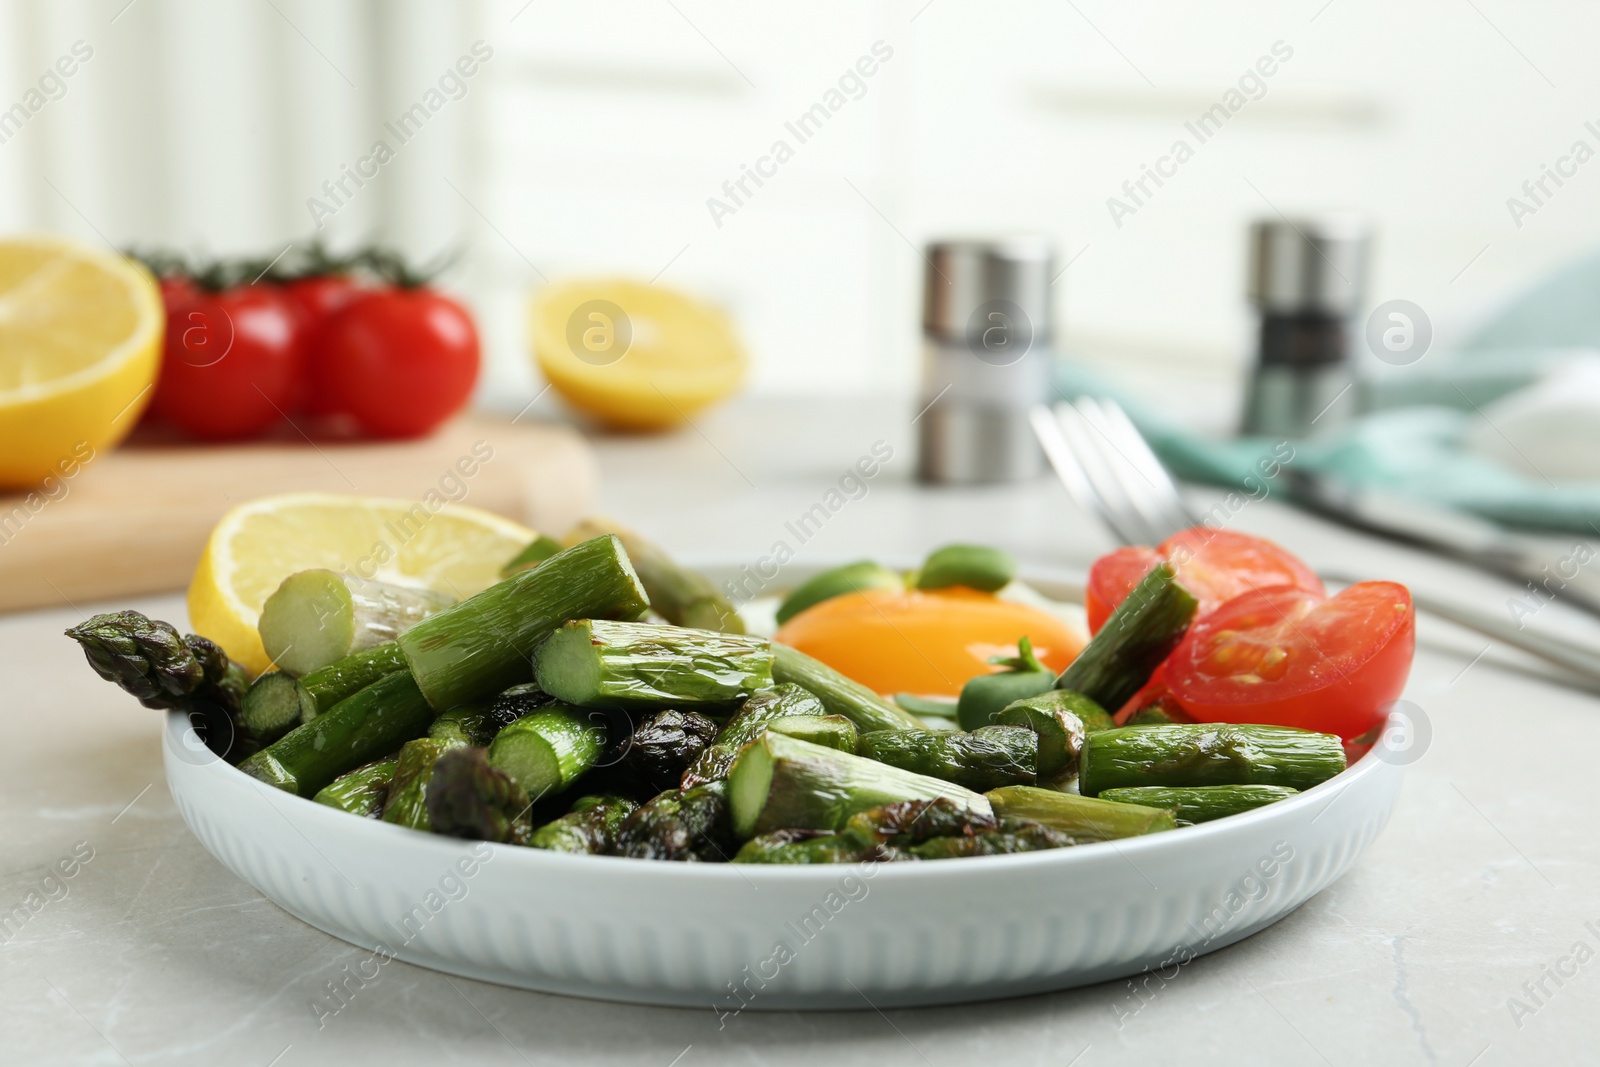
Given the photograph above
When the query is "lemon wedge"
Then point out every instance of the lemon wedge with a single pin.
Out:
(454, 548)
(80, 344)
(634, 356)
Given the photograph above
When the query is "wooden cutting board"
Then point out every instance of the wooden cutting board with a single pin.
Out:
(134, 520)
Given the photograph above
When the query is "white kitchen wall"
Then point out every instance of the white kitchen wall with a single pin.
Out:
(592, 140)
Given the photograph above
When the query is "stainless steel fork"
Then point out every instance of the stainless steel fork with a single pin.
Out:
(1110, 471)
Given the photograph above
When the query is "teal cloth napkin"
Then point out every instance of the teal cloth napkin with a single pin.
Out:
(1410, 451)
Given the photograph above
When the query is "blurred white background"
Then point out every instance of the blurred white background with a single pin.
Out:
(592, 138)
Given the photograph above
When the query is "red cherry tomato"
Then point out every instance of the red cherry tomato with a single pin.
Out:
(399, 361)
(318, 299)
(232, 362)
(1213, 565)
(1293, 657)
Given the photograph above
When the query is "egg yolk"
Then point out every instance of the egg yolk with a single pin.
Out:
(925, 642)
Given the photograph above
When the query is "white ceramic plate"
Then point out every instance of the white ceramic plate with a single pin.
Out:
(754, 938)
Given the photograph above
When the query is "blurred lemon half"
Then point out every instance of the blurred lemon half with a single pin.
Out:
(80, 344)
(634, 356)
(456, 549)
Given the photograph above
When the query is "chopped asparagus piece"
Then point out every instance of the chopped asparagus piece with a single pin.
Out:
(779, 782)
(599, 663)
(539, 549)
(910, 822)
(1013, 836)
(785, 700)
(407, 802)
(664, 746)
(547, 751)
(1183, 754)
(974, 566)
(149, 660)
(840, 695)
(681, 596)
(361, 791)
(485, 644)
(850, 578)
(318, 617)
(590, 827)
(277, 700)
(1141, 632)
(367, 726)
(468, 797)
(785, 846)
(468, 724)
(1084, 818)
(829, 731)
(984, 759)
(983, 697)
(683, 825)
(1061, 719)
(1201, 803)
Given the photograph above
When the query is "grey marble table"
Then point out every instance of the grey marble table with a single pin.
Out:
(1466, 935)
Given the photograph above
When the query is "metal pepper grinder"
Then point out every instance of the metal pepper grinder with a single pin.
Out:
(987, 358)
(1307, 281)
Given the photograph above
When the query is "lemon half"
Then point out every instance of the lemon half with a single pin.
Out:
(634, 356)
(456, 549)
(80, 344)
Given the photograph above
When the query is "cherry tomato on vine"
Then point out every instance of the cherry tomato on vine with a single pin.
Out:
(1213, 565)
(1292, 657)
(399, 361)
(318, 298)
(232, 361)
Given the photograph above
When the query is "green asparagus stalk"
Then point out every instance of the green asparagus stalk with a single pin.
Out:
(987, 758)
(149, 660)
(850, 578)
(546, 752)
(829, 731)
(367, 726)
(539, 549)
(361, 791)
(664, 746)
(779, 782)
(1083, 818)
(1208, 754)
(318, 617)
(840, 695)
(1061, 719)
(467, 797)
(811, 846)
(983, 697)
(468, 724)
(683, 825)
(638, 665)
(278, 701)
(407, 802)
(785, 700)
(681, 596)
(911, 822)
(1141, 632)
(974, 566)
(485, 644)
(1014, 835)
(1200, 803)
(590, 827)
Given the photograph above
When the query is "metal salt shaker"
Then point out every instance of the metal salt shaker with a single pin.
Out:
(1307, 280)
(987, 357)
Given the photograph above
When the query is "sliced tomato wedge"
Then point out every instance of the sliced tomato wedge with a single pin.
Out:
(1213, 565)
(1294, 657)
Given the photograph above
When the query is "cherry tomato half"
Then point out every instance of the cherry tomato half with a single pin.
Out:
(232, 361)
(1213, 565)
(398, 361)
(1292, 657)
